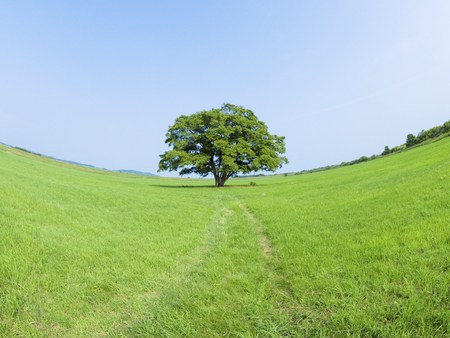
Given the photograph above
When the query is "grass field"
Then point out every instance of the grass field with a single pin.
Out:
(362, 250)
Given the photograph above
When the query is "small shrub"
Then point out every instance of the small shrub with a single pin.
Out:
(252, 183)
(386, 151)
(411, 140)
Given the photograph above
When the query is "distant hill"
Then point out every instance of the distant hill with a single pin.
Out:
(124, 171)
(425, 136)
(134, 172)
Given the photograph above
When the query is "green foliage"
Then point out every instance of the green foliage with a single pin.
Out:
(411, 140)
(386, 151)
(429, 134)
(399, 148)
(363, 159)
(222, 142)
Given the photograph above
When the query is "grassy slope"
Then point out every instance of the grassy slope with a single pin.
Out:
(360, 250)
(364, 250)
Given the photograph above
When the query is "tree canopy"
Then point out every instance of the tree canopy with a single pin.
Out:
(222, 142)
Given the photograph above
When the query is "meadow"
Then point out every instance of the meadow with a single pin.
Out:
(361, 250)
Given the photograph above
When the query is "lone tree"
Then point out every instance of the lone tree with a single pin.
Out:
(222, 142)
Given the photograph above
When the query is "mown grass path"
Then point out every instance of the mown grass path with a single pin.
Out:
(230, 286)
(265, 243)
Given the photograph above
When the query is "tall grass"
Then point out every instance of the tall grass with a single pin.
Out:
(354, 251)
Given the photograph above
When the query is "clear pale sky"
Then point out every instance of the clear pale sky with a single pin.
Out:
(99, 82)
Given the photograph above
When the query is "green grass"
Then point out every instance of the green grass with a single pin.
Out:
(356, 251)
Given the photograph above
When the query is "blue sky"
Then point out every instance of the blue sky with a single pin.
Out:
(99, 82)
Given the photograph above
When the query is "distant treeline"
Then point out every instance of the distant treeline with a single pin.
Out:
(411, 140)
(431, 133)
(26, 150)
(424, 135)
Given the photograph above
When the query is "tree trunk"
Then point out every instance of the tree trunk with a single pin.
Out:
(216, 178)
(220, 179)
